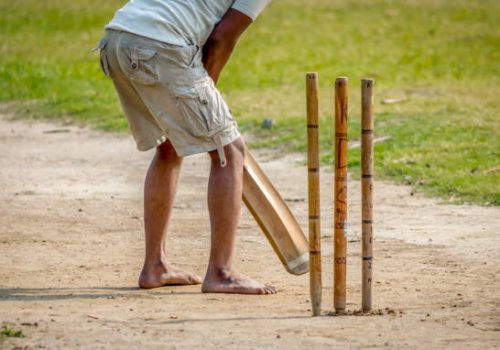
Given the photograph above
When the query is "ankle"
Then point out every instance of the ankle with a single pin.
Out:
(221, 272)
(155, 265)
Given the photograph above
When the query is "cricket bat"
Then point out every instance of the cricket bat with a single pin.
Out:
(274, 218)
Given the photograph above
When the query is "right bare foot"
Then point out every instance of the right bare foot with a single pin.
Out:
(228, 281)
(166, 275)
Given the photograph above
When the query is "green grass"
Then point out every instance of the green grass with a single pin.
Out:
(442, 56)
(11, 333)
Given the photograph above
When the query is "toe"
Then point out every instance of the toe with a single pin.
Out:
(271, 289)
(195, 279)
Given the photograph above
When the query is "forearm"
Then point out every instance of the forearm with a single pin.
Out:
(222, 41)
(216, 53)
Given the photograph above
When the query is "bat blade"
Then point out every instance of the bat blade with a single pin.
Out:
(274, 218)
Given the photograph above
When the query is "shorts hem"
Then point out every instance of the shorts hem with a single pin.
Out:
(146, 146)
(191, 150)
(207, 147)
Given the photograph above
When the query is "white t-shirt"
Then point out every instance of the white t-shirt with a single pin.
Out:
(179, 22)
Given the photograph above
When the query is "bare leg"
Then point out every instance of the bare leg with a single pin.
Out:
(224, 203)
(159, 193)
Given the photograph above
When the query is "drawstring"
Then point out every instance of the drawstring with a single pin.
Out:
(220, 149)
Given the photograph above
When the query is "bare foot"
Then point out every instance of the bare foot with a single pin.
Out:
(228, 281)
(166, 275)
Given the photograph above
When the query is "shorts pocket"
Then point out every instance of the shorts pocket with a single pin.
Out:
(203, 108)
(141, 66)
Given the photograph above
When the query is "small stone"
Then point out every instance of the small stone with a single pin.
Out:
(267, 123)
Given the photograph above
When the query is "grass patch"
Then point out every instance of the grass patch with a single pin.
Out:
(440, 56)
(11, 333)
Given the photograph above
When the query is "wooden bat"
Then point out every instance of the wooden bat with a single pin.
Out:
(274, 218)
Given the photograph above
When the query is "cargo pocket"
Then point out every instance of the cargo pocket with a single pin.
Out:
(205, 112)
(203, 109)
(142, 66)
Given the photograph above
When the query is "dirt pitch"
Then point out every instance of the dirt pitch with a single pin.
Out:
(71, 248)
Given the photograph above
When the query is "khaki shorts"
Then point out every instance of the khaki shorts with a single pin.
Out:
(166, 94)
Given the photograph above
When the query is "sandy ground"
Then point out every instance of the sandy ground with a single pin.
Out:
(71, 248)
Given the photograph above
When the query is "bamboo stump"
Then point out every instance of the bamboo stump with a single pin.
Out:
(340, 196)
(313, 167)
(367, 125)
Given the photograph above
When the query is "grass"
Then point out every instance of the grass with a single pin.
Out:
(441, 57)
(11, 333)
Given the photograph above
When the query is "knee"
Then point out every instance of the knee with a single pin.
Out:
(167, 152)
(234, 152)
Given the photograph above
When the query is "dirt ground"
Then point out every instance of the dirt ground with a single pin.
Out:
(71, 247)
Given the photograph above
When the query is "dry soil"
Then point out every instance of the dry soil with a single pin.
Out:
(71, 246)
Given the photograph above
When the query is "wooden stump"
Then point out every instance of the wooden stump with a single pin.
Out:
(340, 196)
(367, 125)
(313, 167)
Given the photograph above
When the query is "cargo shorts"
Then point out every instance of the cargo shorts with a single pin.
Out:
(166, 94)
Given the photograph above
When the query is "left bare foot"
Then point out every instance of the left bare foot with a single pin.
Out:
(166, 275)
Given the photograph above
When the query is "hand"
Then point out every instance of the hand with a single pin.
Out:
(222, 41)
